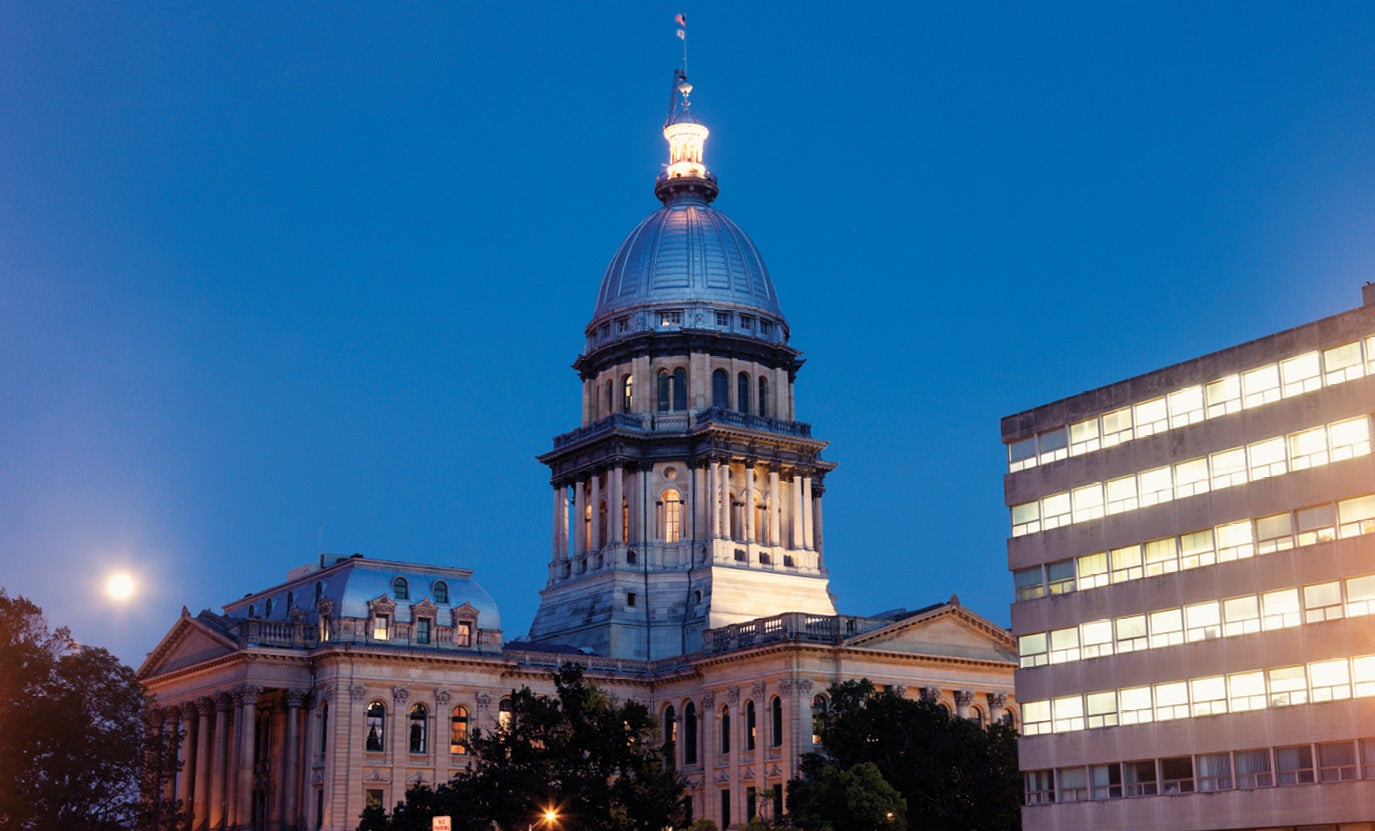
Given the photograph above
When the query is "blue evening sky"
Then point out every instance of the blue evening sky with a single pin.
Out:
(277, 275)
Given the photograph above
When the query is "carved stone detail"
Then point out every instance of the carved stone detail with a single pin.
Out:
(997, 701)
(963, 698)
(399, 695)
(758, 689)
(709, 700)
(357, 692)
(441, 697)
(295, 698)
(932, 694)
(733, 695)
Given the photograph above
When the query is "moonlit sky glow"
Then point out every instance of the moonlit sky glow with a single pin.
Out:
(282, 275)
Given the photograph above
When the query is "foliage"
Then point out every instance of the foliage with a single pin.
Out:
(71, 731)
(951, 773)
(833, 798)
(594, 760)
(703, 825)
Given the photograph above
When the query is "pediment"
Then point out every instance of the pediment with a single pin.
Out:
(947, 631)
(189, 642)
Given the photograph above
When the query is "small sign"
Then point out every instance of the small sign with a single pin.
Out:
(441, 824)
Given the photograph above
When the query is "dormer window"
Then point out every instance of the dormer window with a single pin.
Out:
(766, 328)
(440, 590)
(464, 633)
(747, 322)
(381, 627)
(267, 608)
(400, 589)
(465, 625)
(422, 630)
(622, 324)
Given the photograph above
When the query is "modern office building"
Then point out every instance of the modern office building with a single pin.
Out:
(687, 572)
(1193, 553)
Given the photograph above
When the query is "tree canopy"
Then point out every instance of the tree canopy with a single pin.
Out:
(71, 731)
(950, 774)
(594, 760)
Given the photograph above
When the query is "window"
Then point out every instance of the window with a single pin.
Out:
(818, 717)
(463, 633)
(724, 742)
(440, 591)
(1196, 549)
(723, 320)
(751, 725)
(324, 726)
(742, 393)
(1106, 781)
(1294, 765)
(751, 802)
(1336, 762)
(1203, 621)
(690, 734)
(1035, 718)
(1208, 696)
(1342, 363)
(766, 329)
(400, 589)
(504, 714)
(1135, 704)
(1171, 701)
(1032, 650)
(1151, 417)
(1228, 468)
(373, 798)
(672, 528)
(1084, 437)
(1349, 439)
(1073, 784)
(763, 396)
(1096, 638)
(1040, 787)
(1021, 454)
(1246, 691)
(1322, 601)
(1240, 615)
(1167, 628)
(1260, 386)
(1253, 769)
(1126, 563)
(1138, 778)
(422, 630)
(1266, 459)
(627, 393)
(1363, 676)
(1060, 577)
(1356, 516)
(458, 731)
(1028, 583)
(375, 723)
(1092, 570)
(1186, 406)
(1288, 686)
(1162, 557)
(725, 808)
(381, 627)
(1053, 445)
(671, 317)
(670, 735)
(1308, 448)
(1316, 524)
(630, 600)
(747, 322)
(1190, 478)
(1156, 486)
(1223, 396)
(1274, 533)
(1177, 775)
(1026, 518)
(720, 389)
(1088, 502)
(776, 728)
(1300, 374)
(1101, 708)
(1360, 596)
(672, 390)
(622, 325)
(1055, 511)
(1064, 645)
(1280, 609)
(1330, 680)
(1234, 541)
(419, 722)
(1214, 772)
(267, 608)
(1131, 633)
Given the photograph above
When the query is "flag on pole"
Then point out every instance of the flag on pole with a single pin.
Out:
(682, 35)
(680, 19)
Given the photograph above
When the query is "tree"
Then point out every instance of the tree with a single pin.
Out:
(951, 773)
(832, 798)
(71, 731)
(594, 760)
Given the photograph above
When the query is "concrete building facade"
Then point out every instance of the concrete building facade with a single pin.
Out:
(1194, 568)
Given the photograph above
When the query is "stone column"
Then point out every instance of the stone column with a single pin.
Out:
(185, 714)
(932, 694)
(616, 494)
(596, 532)
(560, 524)
(807, 512)
(440, 740)
(218, 771)
(247, 700)
(201, 811)
(795, 494)
(400, 735)
(714, 498)
(963, 698)
(997, 705)
(775, 508)
(291, 764)
(580, 543)
(818, 536)
(750, 534)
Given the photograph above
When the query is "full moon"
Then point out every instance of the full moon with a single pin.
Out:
(120, 586)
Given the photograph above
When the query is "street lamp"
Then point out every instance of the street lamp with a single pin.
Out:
(549, 819)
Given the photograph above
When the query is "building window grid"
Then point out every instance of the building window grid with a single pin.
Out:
(1298, 375)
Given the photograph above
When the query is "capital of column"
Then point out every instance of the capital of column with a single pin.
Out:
(963, 698)
(247, 695)
(441, 697)
(223, 701)
(733, 695)
(758, 689)
(932, 694)
(709, 700)
(358, 692)
(295, 698)
(189, 709)
(997, 701)
(399, 695)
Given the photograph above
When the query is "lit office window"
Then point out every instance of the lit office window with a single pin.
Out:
(1171, 701)
(1053, 446)
(1162, 556)
(1356, 516)
(1288, 686)
(1092, 570)
(1032, 650)
(1035, 718)
(1342, 363)
(1064, 645)
(1135, 705)
(1117, 427)
(1186, 406)
(1131, 633)
(1060, 577)
(1055, 511)
(1360, 596)
(1308, 448)
(1196, 549)
(1349, 439)
(1228, 468)
(1029, 583)
(1122, 495)
(1274, 533)
(1234, 541)
(1101, 709)
(1363, 676)
(1246, 691)
(1223, 396)
(1300, 374)
(1266, 459)
(1126, 563)
(1208, 695)
(1069, 714)
(1026, 518)
(1322, 601)
(1316, 524)
(1088, 502)
(1240, 616)
(1096, 638)
(1156, 486)
(1203, 621)
(1151, 417)
(1190, 478)
(1279, 609)
(1330, 680)
(1084, 437)
(1260, 386)
(1167, 628)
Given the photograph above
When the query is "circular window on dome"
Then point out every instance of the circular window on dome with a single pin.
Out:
(670, 473)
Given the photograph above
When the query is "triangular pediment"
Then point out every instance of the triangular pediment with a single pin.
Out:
(946, 631)
(189, 642)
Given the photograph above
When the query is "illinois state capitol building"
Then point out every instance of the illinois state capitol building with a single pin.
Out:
(686, 570)
(1195, 574)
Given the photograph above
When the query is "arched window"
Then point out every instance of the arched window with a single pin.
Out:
(672, 390)
(725, 729)
(440, 590)
(290, 601)
(751, 725)
(818, 718)
(601, 523)
(625, 520)
(742, 393)
(670, 734)
(324, 725)
(627, 393)
(761, 520)
(672, 530)
(420, 718)
(690, 734)
(504, 715)
(252, 611)
(458, 731)
(665, 398)
(610, 398)
(776, 728)
(763, 395)
(680, 390)
(267, 608)
(720, 389)
(376, 725)
(400, 589)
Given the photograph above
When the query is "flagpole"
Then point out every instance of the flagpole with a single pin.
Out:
(681, 20)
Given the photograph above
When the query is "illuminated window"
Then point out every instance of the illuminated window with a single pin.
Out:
(1186, 406)
(672, 529)
(1253, 769)
(1308, 448)
(1177, 775)
(1360, 596)
(1288, 686)
(1162, 556)
(1117, 427)
(1266, 459)
(1203, 621)
(400, 589)
(1126, 563)
(1032, 649)
(1171, 701)
(1053, 445)
(819, 704)
(1363, 676)
(1337, 762)
(1234, 541)
(463, 634)
(671, 317)
(1131, 633)
(1088, 502)
(1064, 645)
(1072, 785)
(1138, 778)
(458, 731)
(720, 389)
(1223, 396)
(1122, 495)
(1101, 708)
(1349, 439)
(1028, 583)
(1055, 511)
(1274, 533)
(1036, 718)
(1260, 386)
(1166, 628)
(1240, 616)
(1294, 765)
(1084, 437)
(1214, 771)
(751, 725)
(1330, 680)
(1316, 524)
(1096, 638)
(1060, 577)
(627, 393)
(375, 723)
(670, 734)
(1322, 601)
(1190, 478)
(1356, 516)
(504, 714)
(419, 721)
(1021, 454)
(1342, 363)
(381, 627)
(1279, 609)
(1228, 468)
(373, 798)
(1156, 486)
(1151, 417)
(1092, 570)
(1196, 549)
(1246, 691)
(1208, 696)
(1300, 374)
